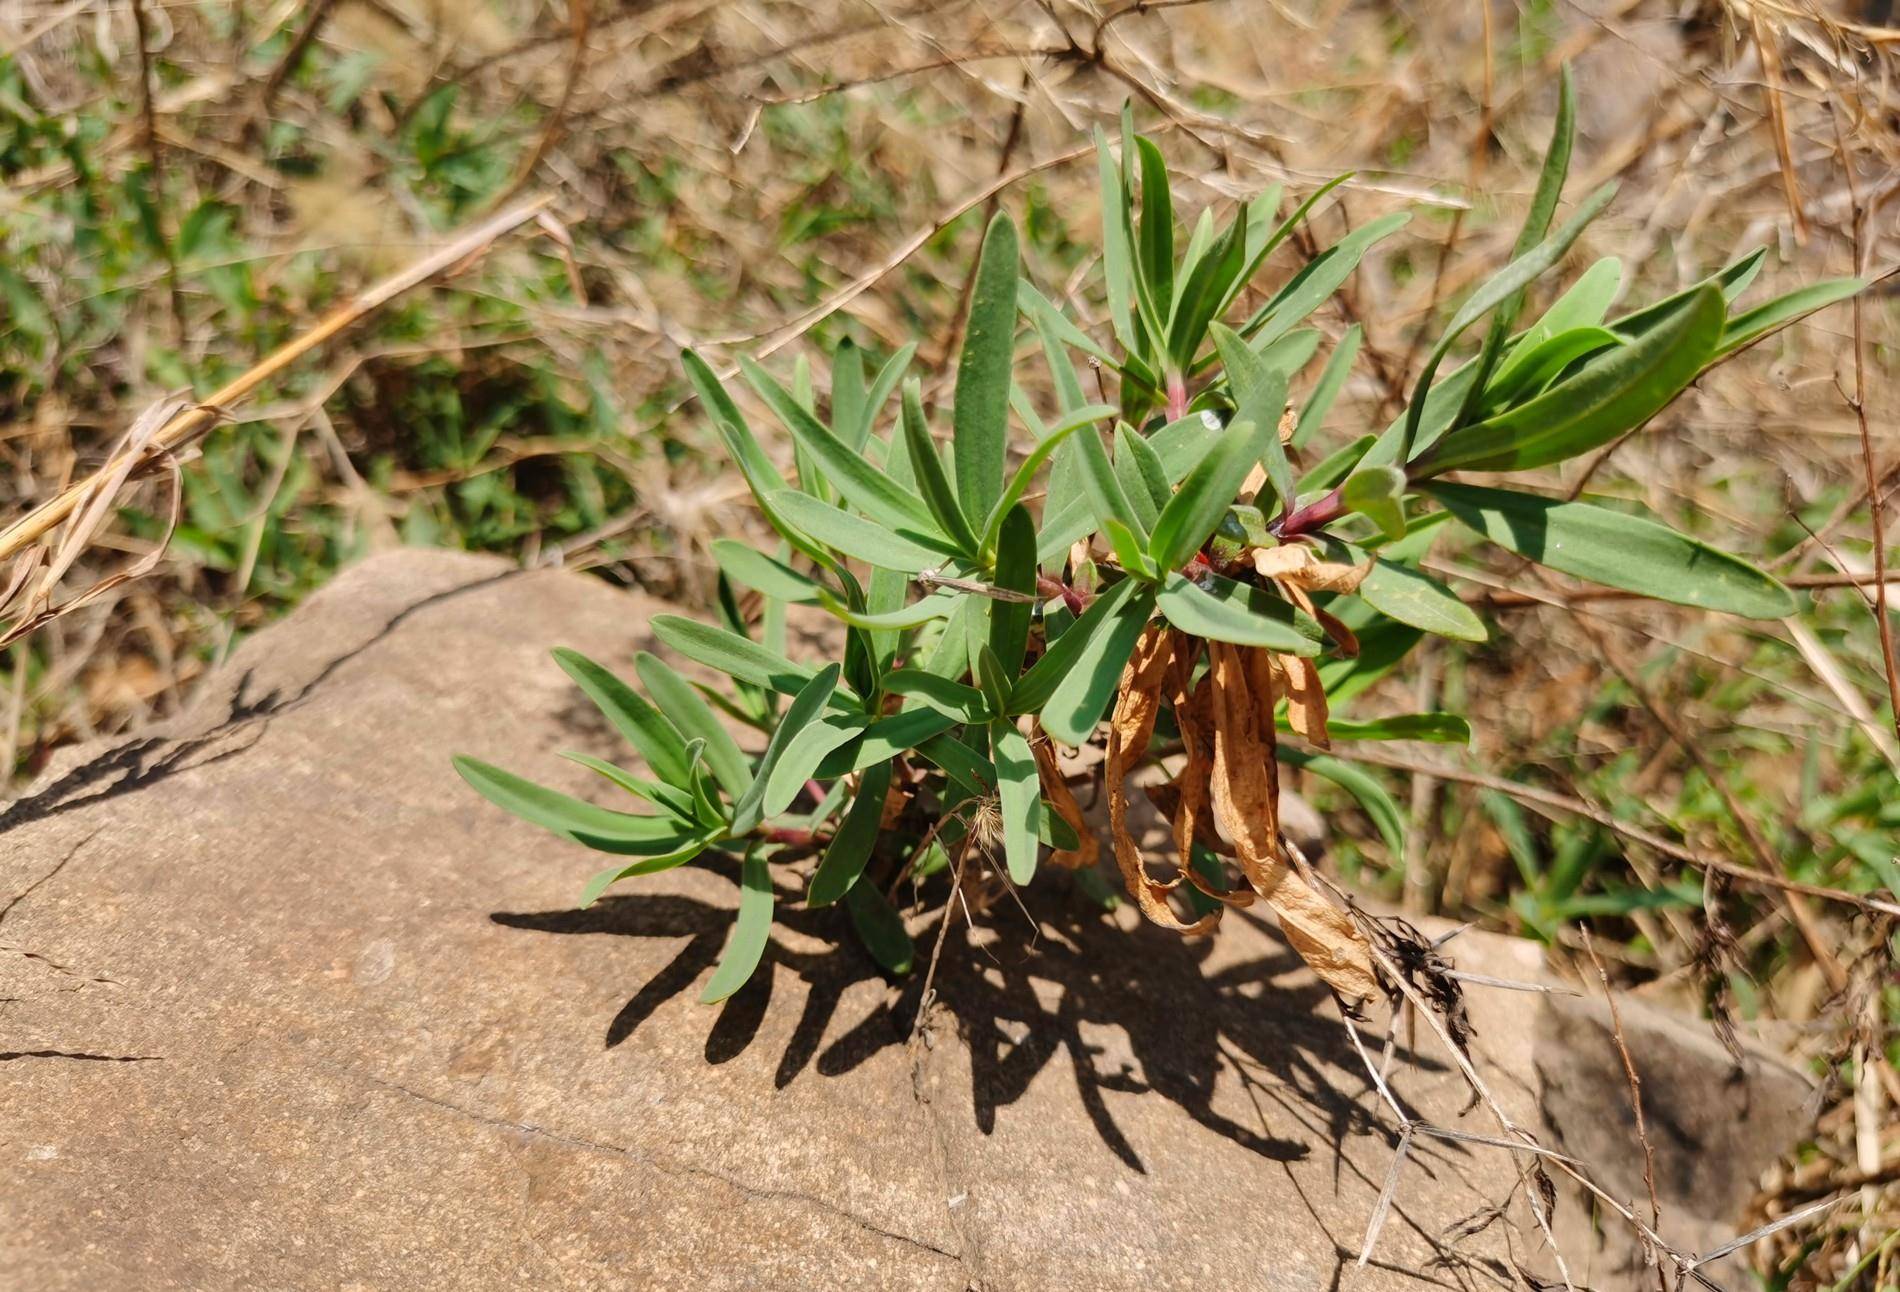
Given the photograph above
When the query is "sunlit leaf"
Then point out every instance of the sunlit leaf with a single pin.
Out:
(1234, 612)
(750, 931)
(1613, 393)
(694, 718)
(643, 726)
(1019, 788)
(1086, 681)
(1615, 549)
(981, 419)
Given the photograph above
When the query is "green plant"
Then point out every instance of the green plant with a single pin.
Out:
(1193, 570)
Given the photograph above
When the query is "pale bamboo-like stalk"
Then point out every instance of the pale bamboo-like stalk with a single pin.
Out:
(192, 422)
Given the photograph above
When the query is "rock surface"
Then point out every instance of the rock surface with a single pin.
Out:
(283, 1005)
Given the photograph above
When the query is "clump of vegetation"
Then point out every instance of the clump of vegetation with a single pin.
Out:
(1197, 565)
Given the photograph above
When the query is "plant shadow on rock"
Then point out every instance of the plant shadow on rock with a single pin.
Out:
(1020, 1005)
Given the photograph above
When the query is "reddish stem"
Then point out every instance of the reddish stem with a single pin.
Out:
(1177, 397)
(1048, 587)
(1319, 512)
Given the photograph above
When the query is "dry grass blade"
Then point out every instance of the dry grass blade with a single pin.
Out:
(91, 513)
(183, 423)
(1773, 1227)
(1635, 1090)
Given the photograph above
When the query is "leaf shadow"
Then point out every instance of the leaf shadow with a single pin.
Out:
(1128, 1010)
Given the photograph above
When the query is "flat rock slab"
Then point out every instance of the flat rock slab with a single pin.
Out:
(286, 1006)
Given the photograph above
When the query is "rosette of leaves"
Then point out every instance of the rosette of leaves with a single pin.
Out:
(1185, 558)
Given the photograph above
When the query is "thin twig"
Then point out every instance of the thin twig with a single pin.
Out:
(1636, 1093)
(318, 14)
(1819, 945)
(1875, 503)
(1550, 800)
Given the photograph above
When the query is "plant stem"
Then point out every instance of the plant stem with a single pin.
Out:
(1319, 512)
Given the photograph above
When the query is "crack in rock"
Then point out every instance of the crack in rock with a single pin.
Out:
(7, 1056)
(58, 866)
(675, 1169)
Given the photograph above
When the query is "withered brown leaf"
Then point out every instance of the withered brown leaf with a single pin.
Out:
(1245, 785)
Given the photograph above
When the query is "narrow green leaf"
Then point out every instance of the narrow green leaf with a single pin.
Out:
(1378, 493)
(1752, 325)
(1259, 393)
(1617, 550)
(1202, 291)
(1203, 498)
(1315, 284)
(802, 755)
(1260, 245)
(1332, 380)
(1357, 782)
(885, 739)
(931, 478)
(1403, 593)
(1103, 486)
(749, 567)
(862, 539)
(848, 416)
(1020, 790)
(843, 466)
(805, 709)
(1534, 369)
(914, 615)
(667, 798)
(1034, 688)
(601, 829)
(1129, 553)
(1506, 284)
(1288, 354)
(881, 387)
(981, 421)
(1084, 683)
(992, 679)
(1584, 305)
(750, 931)
(1054, 438)
(852, 845)
(1613, 393)
(643, 726)
(1550, 186)
(1118, 256)
(1015, 572)
(695, 720)
(1145, 493)
(601, 881)
(1155, 245)
(728, 653)
(964, 703)
(1439, 728)
(1732, 281)
(880, 928)
(712, 393)
(1233, 612)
